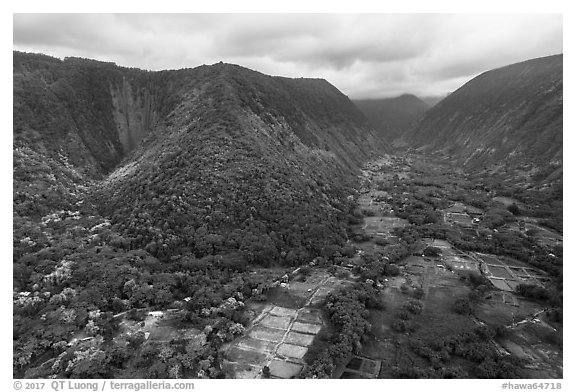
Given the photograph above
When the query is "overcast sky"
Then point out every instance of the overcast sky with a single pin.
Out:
(365, 56)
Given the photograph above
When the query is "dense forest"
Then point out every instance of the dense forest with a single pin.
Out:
(194, 193)
(236, 169)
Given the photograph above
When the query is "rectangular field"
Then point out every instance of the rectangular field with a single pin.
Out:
(256, 344)
(299, 339)
(269, 334)
(500, 272)
(276, 322)
(500, 284)
(292, 351)
(283, 369)
(306, 328)
(385, 224)
(237, 354)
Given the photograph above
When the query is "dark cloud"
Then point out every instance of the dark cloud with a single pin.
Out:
(367, 55)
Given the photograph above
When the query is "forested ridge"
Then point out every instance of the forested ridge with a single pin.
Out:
(159, 217)
(139, 190)
(506, 118)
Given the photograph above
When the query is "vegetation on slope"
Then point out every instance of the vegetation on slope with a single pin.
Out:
(238, 169)
(511, 115)
(391, 117)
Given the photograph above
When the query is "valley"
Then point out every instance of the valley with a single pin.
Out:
(423, 243)
(216, 222)
(441, 291)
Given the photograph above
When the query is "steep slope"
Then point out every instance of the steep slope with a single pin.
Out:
(508, 116)
(391, 117)
(87, 112)
(205, 161)
(245, 162)
(432, 100)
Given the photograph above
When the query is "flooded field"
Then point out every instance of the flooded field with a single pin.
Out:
(506, 273)
(279, 336)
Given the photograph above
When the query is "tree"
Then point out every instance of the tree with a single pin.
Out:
(462, 306)
(532, 291)
(413, 306)
(391, 270)
(136, 340)
(432, 251)
(265, 372)
(419, 293)
(514, 209)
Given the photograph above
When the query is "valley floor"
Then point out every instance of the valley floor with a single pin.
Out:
(446, 255)
(434, 281)
(438, 280)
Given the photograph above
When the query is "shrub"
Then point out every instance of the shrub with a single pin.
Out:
(414, 306)
(419, 293)
(532, 291)
(305, 270)
(136, 340)
(366, 212)
(381, 241)
(402, 326)
(404, 315)
(513, 208)
(432, 251)
(265, 372)
(462, 306)
(391, 270)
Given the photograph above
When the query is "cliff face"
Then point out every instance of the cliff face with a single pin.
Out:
(96, 113)
(134, 113)
(242, 158)
(510, 115)
(89, 112)
(206, 160)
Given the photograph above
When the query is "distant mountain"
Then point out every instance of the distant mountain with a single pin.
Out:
(433, 99)
(508, 116)
(391, 117)
(207, 160)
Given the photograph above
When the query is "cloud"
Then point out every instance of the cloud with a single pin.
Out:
(364, 55)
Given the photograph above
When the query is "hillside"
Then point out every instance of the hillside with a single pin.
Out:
(432, 100)
(245, 162)
(216, 153)
(508, 116)
(135, 190)
(391, 117)
(216, 222)
(83, 110)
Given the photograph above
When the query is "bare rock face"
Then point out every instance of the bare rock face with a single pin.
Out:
(134, 113)
(215, 152)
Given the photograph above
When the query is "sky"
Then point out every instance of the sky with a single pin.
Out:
(363, 55)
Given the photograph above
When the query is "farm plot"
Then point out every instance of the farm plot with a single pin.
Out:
(461, 263)
(507, 201)
(359, 367)
(280, 336)
(382, 226)
(500, 272)
(506, 273)
(442, 244)
(461, 219)
(500, 284)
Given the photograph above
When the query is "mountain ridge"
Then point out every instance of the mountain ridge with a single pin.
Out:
(393, 116)
(205, 160)
(506, 115)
